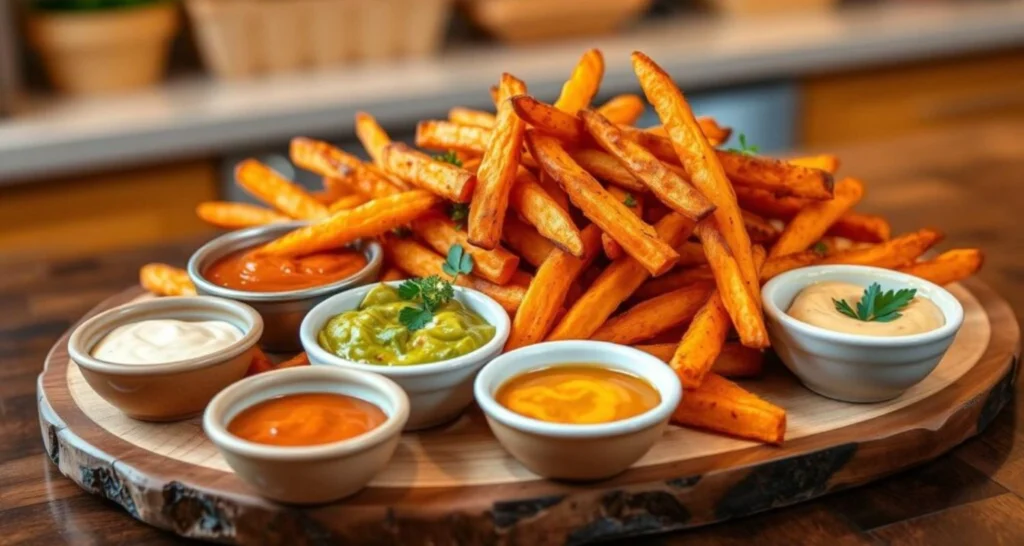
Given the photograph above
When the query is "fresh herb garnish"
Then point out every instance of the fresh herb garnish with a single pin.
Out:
(449, 157)
(629, 201)
(877, 306)
(432, 292)
(458, 212)
(820, 248)
(745, 148)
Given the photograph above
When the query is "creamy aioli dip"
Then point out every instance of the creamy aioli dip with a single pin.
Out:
(164, 340)
(814, 305)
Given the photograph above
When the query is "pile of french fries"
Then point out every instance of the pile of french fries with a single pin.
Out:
(583, 226)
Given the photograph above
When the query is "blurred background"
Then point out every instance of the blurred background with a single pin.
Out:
(118, 116)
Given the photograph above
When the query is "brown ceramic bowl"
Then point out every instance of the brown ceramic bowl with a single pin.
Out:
(173, 390)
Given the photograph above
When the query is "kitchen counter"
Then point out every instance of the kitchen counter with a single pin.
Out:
(954, 180)
(202, 116)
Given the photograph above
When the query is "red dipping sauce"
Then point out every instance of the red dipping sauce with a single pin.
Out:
(245, 270)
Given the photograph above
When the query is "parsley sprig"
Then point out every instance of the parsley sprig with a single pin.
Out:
(432, 292)
(877, 306)
(629, 201)
(458, 212)
(745, 148)
(449, 157)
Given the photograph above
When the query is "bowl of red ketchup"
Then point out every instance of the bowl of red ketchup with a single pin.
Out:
(281, 288)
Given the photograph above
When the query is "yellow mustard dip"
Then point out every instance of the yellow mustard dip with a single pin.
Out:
(814, 305)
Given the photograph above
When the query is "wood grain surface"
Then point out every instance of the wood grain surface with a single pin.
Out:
(964, 182)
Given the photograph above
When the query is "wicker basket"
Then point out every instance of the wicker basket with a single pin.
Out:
(526, 21)
(243, 38)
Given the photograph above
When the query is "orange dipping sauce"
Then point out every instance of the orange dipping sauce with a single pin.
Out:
(306, 419)
(263, 273)
(578, 395)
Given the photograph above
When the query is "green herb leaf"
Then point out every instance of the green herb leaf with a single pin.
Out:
(629, 201)
(458, 262)
(458, 212)
(432, 292)
(820, 248)
(409, 289)
(415, 318)
(449, 157)
(877, 306)
(745, 148)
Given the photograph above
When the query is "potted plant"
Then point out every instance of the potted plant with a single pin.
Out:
(99, 46)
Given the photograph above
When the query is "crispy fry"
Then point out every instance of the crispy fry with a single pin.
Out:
(581, 87)
(739, 301)
(368, 220)
(637, 238)
(614, 285)
(228, 215)
(949, 267)
(525, 241)
(552, 221)
(814, 219)
(656, 315)
(419, 169)
(496, 265)
(498, 169)
(672, 281)
(447, 135)
(715, 133)
(165, 280)
(899, 252)
(521, 278)
(392, 274)
(341, 168)
(548, 291)
(867, 228)
(826, 162)
(301, 359)
(324, 197)
(419, 261)
(260, 363)
(700, 161)
(761, 231)
(779, 177)
(468, 116)
(348, 202)
(691, 253)
(723, 406)
(623, 109)
(554, 191)
(604, 166)
(780, 264)
(671, 189)
(735, 360)
(548, 119)
(273, 189)
(338, 186)
(372, 136)
(612, 249)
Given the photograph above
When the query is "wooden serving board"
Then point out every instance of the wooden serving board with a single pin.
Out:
(456, 484)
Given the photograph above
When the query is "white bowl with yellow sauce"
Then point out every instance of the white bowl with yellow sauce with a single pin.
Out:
(571, 451)
(849, 359)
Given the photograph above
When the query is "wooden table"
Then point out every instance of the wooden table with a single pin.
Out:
(965, 182)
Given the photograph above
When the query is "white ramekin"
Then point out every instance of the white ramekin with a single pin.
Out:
(577, 452)
(308, 474)
(439, 391)
(852, 367)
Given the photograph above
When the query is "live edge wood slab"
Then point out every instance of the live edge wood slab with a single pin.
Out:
(965, 181)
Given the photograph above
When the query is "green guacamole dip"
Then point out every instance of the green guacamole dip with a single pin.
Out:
(373, 334)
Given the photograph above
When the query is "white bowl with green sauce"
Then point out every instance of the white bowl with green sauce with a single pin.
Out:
(435, 365)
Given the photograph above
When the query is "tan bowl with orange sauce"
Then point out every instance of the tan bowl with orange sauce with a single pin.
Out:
(314, 473)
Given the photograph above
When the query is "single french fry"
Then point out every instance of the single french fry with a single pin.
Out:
(672, 281)
(469, 116)
(723, 406)
(735, 360)
(656, 315)
(547, 292)
(447, 135)
(614, 285)
(581, 87)
(525, 241)
(811, 223)
(392, 274)
(536, 206)
(498, 169)
(260, 363)
(228, 215)
(826, 162)
(521, 278)
(761, 231)
(700, 160)
(273, 189)
(338, 186)
(604, 166)
(779, 177)
(553, 190)
(165, 280)
(324, 197)
(419, 261)
(637, 237)
(738, 299)
(897, 252)
(691, 253)
(867, 228)
(611, 247)
(348, 202)
(301, 359)
(442, 179)
(949, 267)
(341, 168)
(548, 119)
(623, 109)
(669, 187)
(496, 265)
(368, 220)
(852, 225)
(494, 95)
(372, 136)
(780, 264)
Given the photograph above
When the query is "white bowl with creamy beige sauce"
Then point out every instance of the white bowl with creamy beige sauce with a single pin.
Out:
(852, 360)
